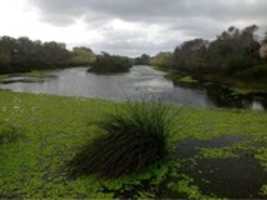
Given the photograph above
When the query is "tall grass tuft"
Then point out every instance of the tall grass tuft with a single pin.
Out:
(8, 133)
(135, 138)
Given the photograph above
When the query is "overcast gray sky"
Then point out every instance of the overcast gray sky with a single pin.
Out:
(127, 27)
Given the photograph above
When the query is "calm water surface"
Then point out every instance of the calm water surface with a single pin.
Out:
(141, 82)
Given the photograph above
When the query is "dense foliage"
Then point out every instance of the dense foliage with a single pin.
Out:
(235, 54)
(23, 55)
(234, 50)
(135, 137)
(263, 50)
(162, 60)
(82, 56)
(142, 60)
(20, 55)
(106, 63)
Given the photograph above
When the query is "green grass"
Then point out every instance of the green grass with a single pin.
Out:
(9, 133)
(3, 76)
(183, 80)
(53, 129)
(188, 79)
(29, 77)
(36, 74)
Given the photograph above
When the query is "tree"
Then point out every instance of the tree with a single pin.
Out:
(7, 48)
(23, 54)
(234, 49)
(265, 39)
(162, 60)
(142, 60)
(56, 54)
(232, 52)
(191, 55)
(82, 56)
(263, 50)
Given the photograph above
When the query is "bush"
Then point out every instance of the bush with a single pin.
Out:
(255, 73)
(135, 138)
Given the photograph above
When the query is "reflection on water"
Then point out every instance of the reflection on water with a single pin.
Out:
(234, 178)
(256, 105)
(141, 82)
(189, 148)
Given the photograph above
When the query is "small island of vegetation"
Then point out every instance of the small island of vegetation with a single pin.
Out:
(108, 64)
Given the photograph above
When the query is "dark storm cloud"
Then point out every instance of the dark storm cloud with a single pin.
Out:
(191, 18)
(141, 10)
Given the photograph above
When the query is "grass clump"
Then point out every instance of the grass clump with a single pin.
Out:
(135, 137)
(8, 134)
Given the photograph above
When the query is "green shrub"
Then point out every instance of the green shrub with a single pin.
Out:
(254, 73)
(135, 138)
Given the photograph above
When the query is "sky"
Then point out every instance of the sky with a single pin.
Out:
(127, 27)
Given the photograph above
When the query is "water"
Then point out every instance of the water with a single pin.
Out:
(239, 177)
(141, 82)
(190, 147)
(233, 178)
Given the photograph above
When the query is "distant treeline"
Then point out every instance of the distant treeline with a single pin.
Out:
(23, 55)
(236, 54)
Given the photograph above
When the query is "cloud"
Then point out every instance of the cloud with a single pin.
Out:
(155, 10)
(133, 27)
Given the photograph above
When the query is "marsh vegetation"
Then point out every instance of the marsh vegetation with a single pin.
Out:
(135, 137)
(204, 151)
